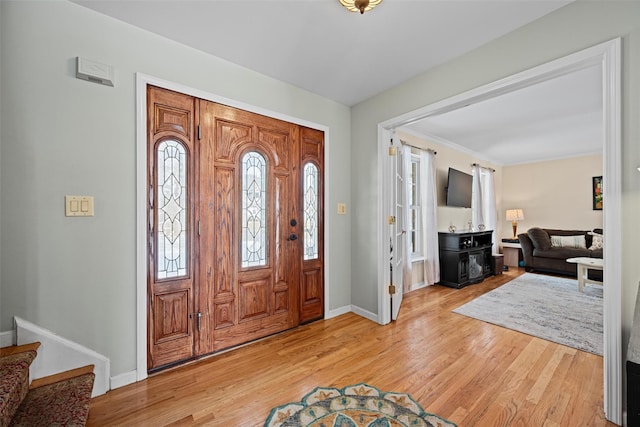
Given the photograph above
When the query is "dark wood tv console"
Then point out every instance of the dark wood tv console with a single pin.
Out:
(465, 258)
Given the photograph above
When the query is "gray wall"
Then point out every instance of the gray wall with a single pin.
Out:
(577, 26)
(60, 135)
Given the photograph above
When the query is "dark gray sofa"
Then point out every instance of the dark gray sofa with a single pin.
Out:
(539, 255)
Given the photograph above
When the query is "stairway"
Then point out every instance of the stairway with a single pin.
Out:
(60, 399)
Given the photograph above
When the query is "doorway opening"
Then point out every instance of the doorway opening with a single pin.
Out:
(608, 56)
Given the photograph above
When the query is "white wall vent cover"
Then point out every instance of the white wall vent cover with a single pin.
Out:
(94, 72)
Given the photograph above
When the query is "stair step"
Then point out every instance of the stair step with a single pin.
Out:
(14, 382)
(62, 376)
(64, 403)
(13, 349)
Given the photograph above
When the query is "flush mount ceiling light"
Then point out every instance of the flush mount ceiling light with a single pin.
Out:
(361, 6)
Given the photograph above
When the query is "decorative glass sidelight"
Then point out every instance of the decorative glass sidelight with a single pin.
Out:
(254, 210)
(310, 191)
(172, 236)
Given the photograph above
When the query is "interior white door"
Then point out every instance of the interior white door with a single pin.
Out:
(398, 234)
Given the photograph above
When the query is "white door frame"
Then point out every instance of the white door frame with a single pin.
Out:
(142, 80)
(608, 56)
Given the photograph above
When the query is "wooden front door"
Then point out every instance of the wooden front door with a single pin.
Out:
(249, 224)
(254, 234)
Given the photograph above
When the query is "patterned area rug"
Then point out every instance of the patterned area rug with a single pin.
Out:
(358, 405)
(547, 307)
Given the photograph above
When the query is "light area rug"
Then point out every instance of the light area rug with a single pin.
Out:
(357, 405)
(547, 307)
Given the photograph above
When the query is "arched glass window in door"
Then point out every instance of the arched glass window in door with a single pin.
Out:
(310, 194)
(171, 243)
(253, 252)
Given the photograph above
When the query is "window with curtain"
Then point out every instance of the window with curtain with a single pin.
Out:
(415, 220)
(483, 201)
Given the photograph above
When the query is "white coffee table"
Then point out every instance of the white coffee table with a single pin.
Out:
(584, 265)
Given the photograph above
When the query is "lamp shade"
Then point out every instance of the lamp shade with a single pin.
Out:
(514, 215)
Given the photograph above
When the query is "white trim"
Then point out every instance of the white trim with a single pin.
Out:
(123, 379)
(58, 354)
(383, 211)
(337, 312)
(364, 313)
(7, 338)
(612, 215)
(607, 55)
(142, 80)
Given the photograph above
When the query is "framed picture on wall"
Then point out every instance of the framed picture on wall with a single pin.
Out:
(597, 193)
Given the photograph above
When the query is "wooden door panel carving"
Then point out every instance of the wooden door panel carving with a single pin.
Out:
(280, 144)
(172, 322)
(224, 314)
(230, 136)
(223, 238)
(170, 119)
(253, 299)
(312, 293)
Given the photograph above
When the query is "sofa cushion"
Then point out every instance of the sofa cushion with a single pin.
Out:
(562, 253)
(577, 241)
(539, 238)
(596, 253)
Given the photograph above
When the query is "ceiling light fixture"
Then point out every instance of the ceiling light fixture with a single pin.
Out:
(361, 6)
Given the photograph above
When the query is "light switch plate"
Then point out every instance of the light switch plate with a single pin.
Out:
(78, 205)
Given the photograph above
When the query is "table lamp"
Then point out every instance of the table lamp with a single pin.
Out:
(514, 215)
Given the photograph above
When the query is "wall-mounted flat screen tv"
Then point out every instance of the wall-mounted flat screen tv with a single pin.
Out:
(459, 189)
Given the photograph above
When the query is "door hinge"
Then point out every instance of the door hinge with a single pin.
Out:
(392, 151)
(391, 219)
(198, 227)
(199, 133)
(392, 289)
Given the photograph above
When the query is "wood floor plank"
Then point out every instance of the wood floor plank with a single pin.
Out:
(471, 372)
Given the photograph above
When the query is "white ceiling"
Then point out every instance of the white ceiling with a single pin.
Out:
(554, 119)
(319, 46)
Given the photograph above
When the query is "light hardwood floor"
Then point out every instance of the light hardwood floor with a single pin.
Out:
(470, 372)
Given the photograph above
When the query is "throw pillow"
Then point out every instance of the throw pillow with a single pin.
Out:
(569, 242)
(597, 241)
(539, 238)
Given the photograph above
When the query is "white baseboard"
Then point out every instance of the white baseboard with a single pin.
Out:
(352, 309)
(416, 286)
(57, 354)
(7, 338)
(124, 379)
(338, 312)
(364, 313)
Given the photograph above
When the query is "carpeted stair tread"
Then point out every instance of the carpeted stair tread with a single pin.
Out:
(63, 403)
(13, 349)
(14, 383)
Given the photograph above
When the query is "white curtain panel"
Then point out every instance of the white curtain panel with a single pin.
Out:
(483, 202)
(407, 278)
(477, 198)
(429, 204)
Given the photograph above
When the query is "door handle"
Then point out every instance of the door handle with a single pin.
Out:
(292, 236)
(198, 317)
